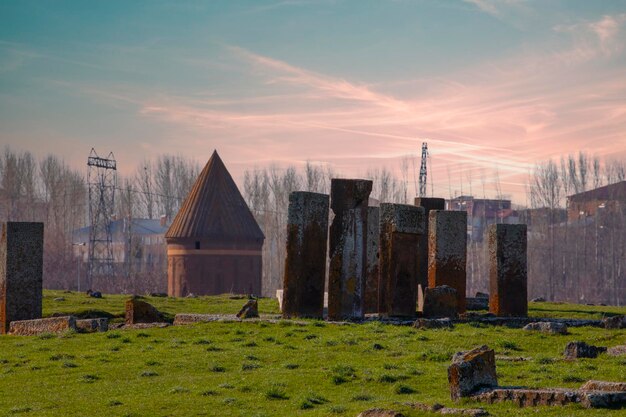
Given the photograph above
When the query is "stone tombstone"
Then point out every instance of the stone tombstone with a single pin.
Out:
(429, 204)
(507, 270)
(439, 302)
(371, 273)
(471, 371)
(138, 311)
(21, 269)
(401, 226)
(447, 252)
(305, 261)
(347, 248)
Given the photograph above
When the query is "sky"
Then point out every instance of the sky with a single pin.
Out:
(493, 87)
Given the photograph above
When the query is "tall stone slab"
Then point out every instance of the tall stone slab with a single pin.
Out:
(371, 272)
(401, 227)
(447, 252)
(21, 269)
(305, 262)
(422, 266)
(347, 247)
(508, 283)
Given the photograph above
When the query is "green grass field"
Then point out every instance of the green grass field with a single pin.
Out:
(262, 369)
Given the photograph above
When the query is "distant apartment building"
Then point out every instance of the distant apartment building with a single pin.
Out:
(482, 212)
(610, 199)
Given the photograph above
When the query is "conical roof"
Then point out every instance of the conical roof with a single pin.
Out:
(215, 208)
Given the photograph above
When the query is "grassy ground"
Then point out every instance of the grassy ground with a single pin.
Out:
(261, 369)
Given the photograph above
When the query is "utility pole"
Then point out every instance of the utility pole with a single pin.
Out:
(423, 170)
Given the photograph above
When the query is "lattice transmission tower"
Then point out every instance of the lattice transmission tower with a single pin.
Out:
(102, 181)
(423, 170)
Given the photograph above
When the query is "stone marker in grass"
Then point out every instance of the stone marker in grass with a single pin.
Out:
(439, 302)
(447, 252)
(305, 262)
(401, 226)
(21, 268)
(138, 311)
(471, 371)
(347, 248)
(508, 287)
(39, 326)
(429, 204)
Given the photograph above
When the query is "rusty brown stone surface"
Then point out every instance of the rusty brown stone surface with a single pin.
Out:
(440, 302)
(305, 261)
(604, 386)
(617, 350)
(372, 267)
(249, 310)
(575, 350)
(524, 397)
(508, 286)
(401, 226)
(92, 325)
(447, 252)
(21, 269)
(471, 371)
(347, 248)
(138, 311)
(429, 204)
(39, 326)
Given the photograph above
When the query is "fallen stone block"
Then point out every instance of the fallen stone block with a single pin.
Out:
(615, 322)
(279, 297)
(92, 325)
(139, 326)
(440, 302)
(438, 408)
(476, 303)
(138, 311)
(549, 327)
(538, 300)
(380, 412)
(249, 310)
(616, 350)
(444, 323)
(471, 371)
(575, 350)
(186, 318)
(603, 399)
(528, 397)
(604, 386)
(39, 326)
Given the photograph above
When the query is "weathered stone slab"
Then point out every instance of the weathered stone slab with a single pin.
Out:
(575, 350)
(400, 228)
(347, 248)
(305, 262)
(615, 322)
(603, 399)
(549, 327)
(440, 302)
(508, 286)
(279, 297)
(39, 326)
(249, 310)
(471, 371)
(439, 408)
(92, 325)
(422, 267)
(604, 386)
(21, 269)
(138, 311)
(371, 268)
(616, 350)
(447, 252)
(476, 303)
(529, 397)
(444, 323)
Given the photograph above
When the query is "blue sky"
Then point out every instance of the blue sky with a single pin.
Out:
(491, 85)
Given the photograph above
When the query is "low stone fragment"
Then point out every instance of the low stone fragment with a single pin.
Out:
(549, 327)
(476, 303)
(249, 310)
(481, 295)
(138, 311)
(39, 326)
(440, 302)
(602, 399)
(444, 323)
(615, 322)
(438, 408)
(279, 297)
(538, 300)
(617, 350)
(604, 386)
(380, 412)
(577, 349)
(471, 371)
(92, 325)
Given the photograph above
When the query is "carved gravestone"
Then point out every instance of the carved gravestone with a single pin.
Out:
(439, 302)
(507, 270)
(21, 269)
(429, 204)
(138, 311)
(471, 371)
(347, 248)
(401, 226)
(447, 252)
(371, 272)
(305, 262)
